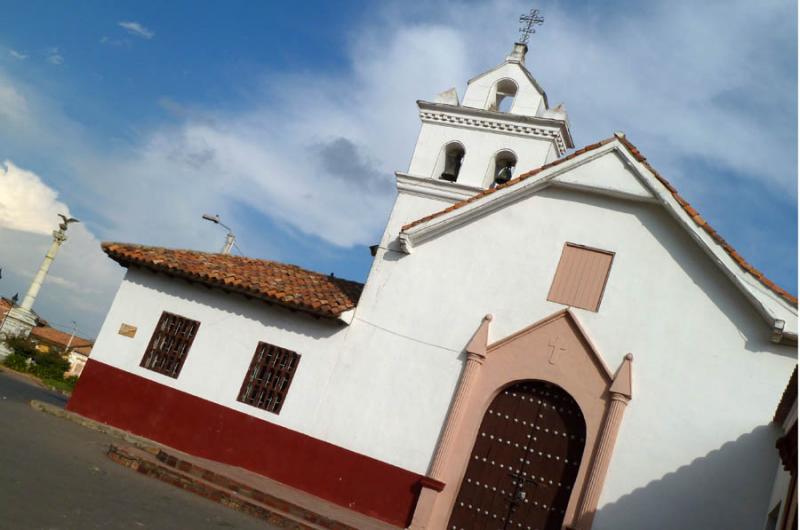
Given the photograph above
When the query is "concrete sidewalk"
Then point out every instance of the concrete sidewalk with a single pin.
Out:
(280, 505)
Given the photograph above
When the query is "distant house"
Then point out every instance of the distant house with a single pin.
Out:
(77, 360)
(49, 339)
(75, 348)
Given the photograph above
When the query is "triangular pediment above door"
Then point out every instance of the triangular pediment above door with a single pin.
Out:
(555, 349)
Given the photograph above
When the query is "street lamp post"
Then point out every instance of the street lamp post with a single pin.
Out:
(229, 238)
(72, 335)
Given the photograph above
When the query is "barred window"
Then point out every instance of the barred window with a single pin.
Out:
(170, 344)
(268, 378)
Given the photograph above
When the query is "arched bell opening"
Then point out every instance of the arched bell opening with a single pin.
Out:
(525, 460)
(501, 97)
(448, 165)
(501, 168)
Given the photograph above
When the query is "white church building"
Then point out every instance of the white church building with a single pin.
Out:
(548, 338)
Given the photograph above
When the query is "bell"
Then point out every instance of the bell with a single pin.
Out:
(503, 176)
(452, 165)
(449, 177)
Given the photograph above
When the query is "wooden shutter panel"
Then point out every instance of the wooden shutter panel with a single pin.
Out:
(581, 277)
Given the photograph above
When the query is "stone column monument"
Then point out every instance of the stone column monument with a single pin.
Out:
(20, 319)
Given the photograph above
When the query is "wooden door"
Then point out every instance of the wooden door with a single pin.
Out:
(524, 462)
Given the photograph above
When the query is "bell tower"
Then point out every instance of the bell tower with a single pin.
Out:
(504, 123)
(503, 127)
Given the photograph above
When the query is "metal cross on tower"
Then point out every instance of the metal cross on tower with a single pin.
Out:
(534, 18)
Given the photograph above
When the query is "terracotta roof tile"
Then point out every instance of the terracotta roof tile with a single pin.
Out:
(279, 283)
(787, 399)
(691, 211)
(58, 338)
(743, 264)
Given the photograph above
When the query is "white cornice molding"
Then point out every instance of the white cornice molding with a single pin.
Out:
(549, 129)
(440, 189)
(752, 289)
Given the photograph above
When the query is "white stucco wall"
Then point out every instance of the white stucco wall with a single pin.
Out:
(707, 379)
(230, 328)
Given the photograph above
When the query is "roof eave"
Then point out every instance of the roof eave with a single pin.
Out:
(127, 262)
(490, 200)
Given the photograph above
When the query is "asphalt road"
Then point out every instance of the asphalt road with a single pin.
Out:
(54, 476)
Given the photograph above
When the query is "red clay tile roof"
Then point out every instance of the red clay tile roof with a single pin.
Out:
(278, 283)
(58, 338)
(698, 220)
(787, 400)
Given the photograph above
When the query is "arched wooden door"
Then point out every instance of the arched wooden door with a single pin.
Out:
(524, 462)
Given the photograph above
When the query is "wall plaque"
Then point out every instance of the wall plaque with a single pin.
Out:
(126, 330)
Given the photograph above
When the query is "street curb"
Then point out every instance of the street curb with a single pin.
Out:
(137, 441)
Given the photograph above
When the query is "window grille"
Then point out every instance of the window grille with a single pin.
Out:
(581, 277)
(170, 344)
(267, 381)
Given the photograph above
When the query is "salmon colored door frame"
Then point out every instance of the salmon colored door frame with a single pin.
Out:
(556, 350)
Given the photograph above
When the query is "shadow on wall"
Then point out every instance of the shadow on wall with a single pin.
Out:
(728, 489)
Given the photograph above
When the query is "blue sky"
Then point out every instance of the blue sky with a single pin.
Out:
(289, 120)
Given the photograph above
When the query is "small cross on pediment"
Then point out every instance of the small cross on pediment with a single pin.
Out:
(556, 348)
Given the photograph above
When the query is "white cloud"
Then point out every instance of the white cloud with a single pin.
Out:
(671, 94)
(13, 105)
(17, 55)
(115, 42)
(82, 279)
(316, 151)
(54, 56)
(134, 28)
(275, 158)
(26, 203)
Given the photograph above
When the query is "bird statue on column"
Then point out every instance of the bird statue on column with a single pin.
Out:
(66, 221)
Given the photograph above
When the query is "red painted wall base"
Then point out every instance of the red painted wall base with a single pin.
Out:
(209, 430)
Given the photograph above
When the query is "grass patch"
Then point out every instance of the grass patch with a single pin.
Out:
(64, 385)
